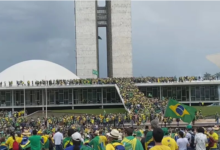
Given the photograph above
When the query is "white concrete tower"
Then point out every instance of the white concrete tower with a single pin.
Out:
(116, 17)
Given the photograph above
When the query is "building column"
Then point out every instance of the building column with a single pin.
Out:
(102, 97)
(72, 100)
(189, 95)
(42, 99)
(160, 93)
(12, 101)
(219, 94)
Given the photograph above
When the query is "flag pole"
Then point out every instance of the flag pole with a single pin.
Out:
(46, 96)
(24, 96)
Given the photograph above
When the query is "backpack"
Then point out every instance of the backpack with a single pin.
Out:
(119, 147)
(15, 146)
(192, 145)
(211, 142)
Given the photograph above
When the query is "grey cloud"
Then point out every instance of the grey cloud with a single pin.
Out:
(169, 38)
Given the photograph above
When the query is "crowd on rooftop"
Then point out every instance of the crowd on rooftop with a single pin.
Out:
(107, 81)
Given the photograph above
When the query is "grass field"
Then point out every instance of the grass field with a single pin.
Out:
(91, 111)
(208, 111)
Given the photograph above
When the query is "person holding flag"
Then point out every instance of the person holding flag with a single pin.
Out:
(176, 110)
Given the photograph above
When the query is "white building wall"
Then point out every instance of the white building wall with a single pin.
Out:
(121, 38)
(86, 41)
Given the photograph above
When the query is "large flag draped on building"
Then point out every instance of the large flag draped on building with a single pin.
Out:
(176, 110)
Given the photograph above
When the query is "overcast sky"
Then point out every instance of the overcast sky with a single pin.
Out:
(169, 38)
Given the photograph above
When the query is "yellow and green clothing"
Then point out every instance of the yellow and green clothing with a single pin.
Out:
(97, 143)
(67, 141)
(112, 145)
(168, 141)
(149, 142)
(45, 141)
(160, 147)
(215, 137)
(10, 142)
(86, 141)
(130, 142)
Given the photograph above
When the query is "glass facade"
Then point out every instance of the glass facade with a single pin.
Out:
(179, 93)
(69, 96)
(204, 93)
(110, 95)
(182, 93)
(155, 91)
(5, 98)
(32, 97)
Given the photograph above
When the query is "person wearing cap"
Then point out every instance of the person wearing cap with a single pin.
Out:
(96, 142)
(215, 137)
(168, 141)
(157, 137)
(149, 142)
(188, 133)
(130, 142)
(87, 140)
(68, 140)
(77, 143)
(113, 140)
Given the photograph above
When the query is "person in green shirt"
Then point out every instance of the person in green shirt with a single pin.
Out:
(68, 140)
(130, 142)
(35, 141)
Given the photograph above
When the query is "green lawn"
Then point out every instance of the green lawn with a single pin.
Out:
(91, 111)
(208, 111)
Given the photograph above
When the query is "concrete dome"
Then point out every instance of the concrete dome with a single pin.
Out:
(33, 70)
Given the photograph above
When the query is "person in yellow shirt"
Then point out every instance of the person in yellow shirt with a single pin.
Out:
(113, 140)
(158, 136)
(19, 138)
(102, 138)
(215, 137)
(10, 140)
(168, 141)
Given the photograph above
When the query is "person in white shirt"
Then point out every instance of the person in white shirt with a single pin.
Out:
(182, 142)
(58, 138)
(200, 139)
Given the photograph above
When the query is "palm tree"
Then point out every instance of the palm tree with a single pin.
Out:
(207, 76)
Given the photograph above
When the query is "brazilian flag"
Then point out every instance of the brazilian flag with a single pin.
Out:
(25, 143)
(176, 110)
(45, 141)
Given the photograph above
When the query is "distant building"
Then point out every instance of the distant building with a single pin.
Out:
(116, 17)
(75, 96)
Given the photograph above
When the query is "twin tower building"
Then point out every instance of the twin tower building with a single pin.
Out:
(115, 16)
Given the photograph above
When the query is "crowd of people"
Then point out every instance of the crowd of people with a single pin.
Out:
(84, 132)
(106, 81)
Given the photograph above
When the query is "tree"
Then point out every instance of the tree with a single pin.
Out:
(217, 75)
(207, 76)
